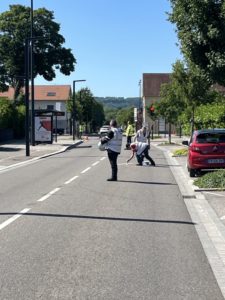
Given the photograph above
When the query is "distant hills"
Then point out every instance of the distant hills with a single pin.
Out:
(119, 102)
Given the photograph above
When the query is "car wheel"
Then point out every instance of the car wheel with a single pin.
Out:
(192, 172)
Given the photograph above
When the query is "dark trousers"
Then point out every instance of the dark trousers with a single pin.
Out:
(113, 162)
(145, 154)
(129, 139)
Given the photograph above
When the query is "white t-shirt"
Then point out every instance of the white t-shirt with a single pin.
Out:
(141, 147)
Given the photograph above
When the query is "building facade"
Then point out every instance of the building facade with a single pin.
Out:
(150, 95)
(51, 98)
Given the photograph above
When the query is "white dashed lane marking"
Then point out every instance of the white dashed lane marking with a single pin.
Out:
(48, 195)
(9, 221)
(25, 210)
(84, 171)
(71, 179)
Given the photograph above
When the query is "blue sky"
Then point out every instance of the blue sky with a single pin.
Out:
(114, 41)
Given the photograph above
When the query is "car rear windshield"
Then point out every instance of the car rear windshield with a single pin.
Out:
(204, 138)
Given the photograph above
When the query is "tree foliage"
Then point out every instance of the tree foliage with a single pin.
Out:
(201, 31)
(6, 113)
(171, 104)
(87, 110)
(110, 113)
(12, 116)
(49, 52)
(124, 115)
(210, 115)
(188, 89)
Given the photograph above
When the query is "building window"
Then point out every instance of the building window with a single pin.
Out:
(51, 94)
(50, 107)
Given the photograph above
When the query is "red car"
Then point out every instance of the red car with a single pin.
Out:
(206, 151)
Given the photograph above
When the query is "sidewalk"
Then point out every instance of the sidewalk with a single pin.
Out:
(14, 152)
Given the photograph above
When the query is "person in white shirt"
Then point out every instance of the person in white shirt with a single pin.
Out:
(113, 142)
(141, 135)
(141, 150)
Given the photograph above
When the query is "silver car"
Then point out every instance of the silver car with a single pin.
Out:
(104, 130)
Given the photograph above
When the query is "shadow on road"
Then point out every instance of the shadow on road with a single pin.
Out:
(9, 149)
(147, 182)
(100, 218)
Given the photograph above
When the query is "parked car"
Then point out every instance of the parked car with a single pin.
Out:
(206, 151)
(104, 130)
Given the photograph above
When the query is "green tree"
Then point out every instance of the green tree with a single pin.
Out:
(3, 85)
(110, 113)
(98, 116)
(171, 104)
(211, 115)
(124, 115)
(87, 109)
(189, 85)
(6, 113)
(201, 31)
(49, 53)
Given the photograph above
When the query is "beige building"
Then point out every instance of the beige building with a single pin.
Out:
(150, 95)
(49, 97)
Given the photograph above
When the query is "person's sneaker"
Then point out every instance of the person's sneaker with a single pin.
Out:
(112, 179)
(153, 165)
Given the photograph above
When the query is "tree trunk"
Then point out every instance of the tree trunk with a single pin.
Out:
(192, 120)
(18, 84)
(169, 133)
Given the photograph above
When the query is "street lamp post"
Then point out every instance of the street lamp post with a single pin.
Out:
(139, 94)
(74, 82)
(27, 97)
(31, 72)
(140, 111)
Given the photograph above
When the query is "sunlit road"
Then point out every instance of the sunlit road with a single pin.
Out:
(67, 233)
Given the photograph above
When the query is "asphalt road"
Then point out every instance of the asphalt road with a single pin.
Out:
(67, 233)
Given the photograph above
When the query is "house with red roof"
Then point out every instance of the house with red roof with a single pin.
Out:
(151, 94)
(49, 97)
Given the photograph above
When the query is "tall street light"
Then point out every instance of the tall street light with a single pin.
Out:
(31, 72)
(140, 111)
(139, 83)
(27, 138)
(74, 82)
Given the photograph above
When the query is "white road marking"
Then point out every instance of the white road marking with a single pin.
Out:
(48, 195)
(71, 179)
(85, 170)
(214, 194)
(102, 158)
(122, 164)
(94, 164)
(10, 220)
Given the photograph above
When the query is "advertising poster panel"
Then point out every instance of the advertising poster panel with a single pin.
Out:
(43, 129)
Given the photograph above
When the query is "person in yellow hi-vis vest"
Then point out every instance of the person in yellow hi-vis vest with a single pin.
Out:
(129, 133)
(81, 130)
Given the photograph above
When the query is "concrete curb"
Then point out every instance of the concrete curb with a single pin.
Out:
(197, 189)
(209, 227)
(42, 156)
(61, 150)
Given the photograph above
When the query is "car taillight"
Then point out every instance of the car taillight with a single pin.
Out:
(195, 149)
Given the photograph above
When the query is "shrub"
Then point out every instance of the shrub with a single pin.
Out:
(180, 152)
(212, 180)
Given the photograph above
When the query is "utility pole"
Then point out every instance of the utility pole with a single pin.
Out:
(27, 97)
(74, 123)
